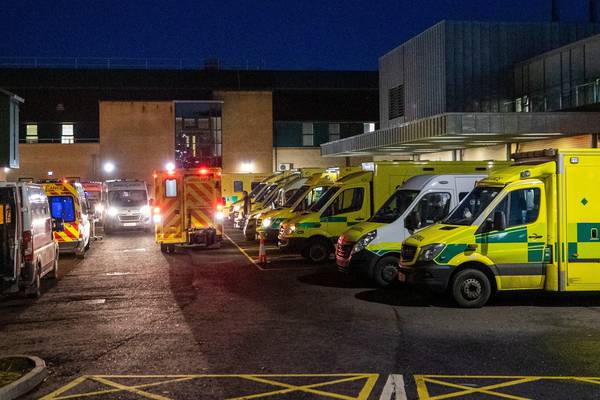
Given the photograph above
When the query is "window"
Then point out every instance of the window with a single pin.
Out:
(521, 207)
(308, 134)
(67, 134)
(368, 127)
(127, 198)
(431, 208)
(171, 188)
(348, 201)
(334, 132)
(62, 207)
(396, 102)
(475, 203)
(189, 123)
(31, 133)
(238, 186)
(395, 206)
(462, 195)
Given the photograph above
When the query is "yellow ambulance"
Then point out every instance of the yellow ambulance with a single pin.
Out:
(188, 208)
(535, 225)
(233, 185)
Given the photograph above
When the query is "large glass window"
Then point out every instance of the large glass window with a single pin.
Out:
(521, 207)
(198, 134)
(334, 132)
(308, 134)
(67, 136)
(473, 205)
(62, 207)
(31, 133)
(395, 206)
(349, 200)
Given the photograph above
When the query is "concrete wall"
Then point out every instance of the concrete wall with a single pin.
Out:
(305, 157)
(80, 159)
(247, 130)
(137, 136)
(485, 153)
(572, 142)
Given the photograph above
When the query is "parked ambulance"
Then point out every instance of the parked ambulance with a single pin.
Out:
(352, 200)
(535, 225)
(233, 185)
(68, 204)
(188, 208)
(28, 251)
(371, 249)
(126, 206)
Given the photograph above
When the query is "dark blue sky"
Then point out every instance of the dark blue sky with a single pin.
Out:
(276, 34)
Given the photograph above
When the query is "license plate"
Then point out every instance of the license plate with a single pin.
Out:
(129, 224)
(401, 277)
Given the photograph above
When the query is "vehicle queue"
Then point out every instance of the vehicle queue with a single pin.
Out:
(468, 229)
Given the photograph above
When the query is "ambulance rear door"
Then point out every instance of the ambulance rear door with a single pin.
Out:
(202, 194)
(170, 193)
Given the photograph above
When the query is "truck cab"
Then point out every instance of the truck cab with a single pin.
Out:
(371, 249)
(532, 226)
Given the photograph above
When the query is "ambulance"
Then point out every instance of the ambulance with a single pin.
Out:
(188, 208)
(268, 223)
(352, 200)
(371, 249)
(531, 226)
(69, 205)
(126, 206)
(236, 207)
(233, 185)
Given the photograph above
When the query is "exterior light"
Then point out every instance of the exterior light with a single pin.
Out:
(6, 169)
(108, 167)
(50, 173)
(170, 166)
(247, 167)
(203, 171)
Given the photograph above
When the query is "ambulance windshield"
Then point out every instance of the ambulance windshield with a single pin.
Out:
(127, 198)
(395, 206)
(473, 205)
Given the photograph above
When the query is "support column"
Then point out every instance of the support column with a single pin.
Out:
(457, 155)
(595, 140)
(347, 160)
(508, 151)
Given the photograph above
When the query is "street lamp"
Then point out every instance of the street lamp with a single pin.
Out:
(108, 167)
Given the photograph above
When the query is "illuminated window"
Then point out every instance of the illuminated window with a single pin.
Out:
(31, 133)
(368, 127)
(171, 188)
(308, 134)
(334, 132)
(67, 134)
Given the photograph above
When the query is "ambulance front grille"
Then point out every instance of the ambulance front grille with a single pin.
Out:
(408, 253)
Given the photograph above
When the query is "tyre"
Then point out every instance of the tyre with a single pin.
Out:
(385, 271)
(471, 288)
(35, 290)
(318, 251)
(164, 248)
(53, 274)
(171, 248)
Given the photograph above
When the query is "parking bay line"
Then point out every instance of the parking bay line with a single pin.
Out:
(394, 388)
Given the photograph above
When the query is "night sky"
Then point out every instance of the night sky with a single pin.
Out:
(271, 34)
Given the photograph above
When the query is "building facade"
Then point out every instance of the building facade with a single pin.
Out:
(481, 90)
(75, 120)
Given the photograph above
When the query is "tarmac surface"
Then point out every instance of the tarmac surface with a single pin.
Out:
(129, 322)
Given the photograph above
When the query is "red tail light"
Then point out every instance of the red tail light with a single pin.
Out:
(156, 210)
(27, 246)
(219, 207)
(203, 171)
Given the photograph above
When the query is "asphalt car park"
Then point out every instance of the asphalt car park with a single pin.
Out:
(130, 322)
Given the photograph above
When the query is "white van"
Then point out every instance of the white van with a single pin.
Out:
(27, 246)
(126, 205)
(372, 248)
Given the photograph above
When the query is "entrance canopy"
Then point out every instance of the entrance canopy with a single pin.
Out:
(451, 131)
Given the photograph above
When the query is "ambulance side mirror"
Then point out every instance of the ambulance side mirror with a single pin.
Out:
(58, 225)
(499, 221)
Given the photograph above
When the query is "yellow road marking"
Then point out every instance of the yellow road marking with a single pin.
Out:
(423, 392)
(243, 252)
(261, 378)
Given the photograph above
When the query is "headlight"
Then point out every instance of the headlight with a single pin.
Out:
(145, 210)
(288, 229)
(364, 242)
(237, 208)
(266, 223)
(431, 251)
(112, 211)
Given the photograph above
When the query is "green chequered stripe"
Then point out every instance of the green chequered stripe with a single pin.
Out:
(517, 235)
(334, 219)
(304, 225)
(588, 232)
(449, 252)
(536, 252)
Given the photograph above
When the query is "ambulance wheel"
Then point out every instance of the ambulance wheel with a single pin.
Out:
(385, 271)
(171, 248)
(164, 248)
(80, 254)
(471, 288)
(318, 251)
(35, 290)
